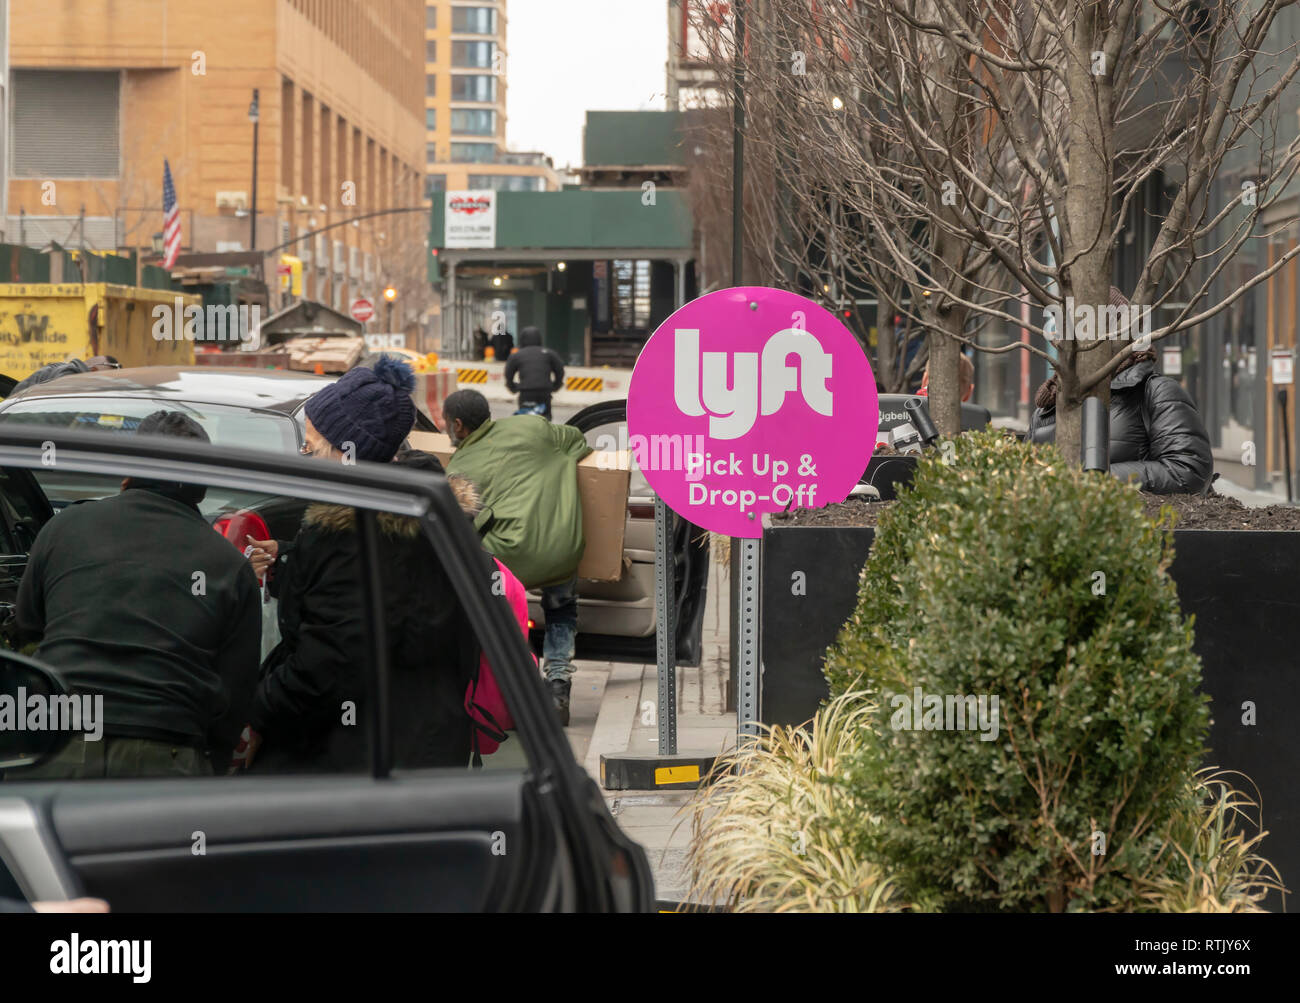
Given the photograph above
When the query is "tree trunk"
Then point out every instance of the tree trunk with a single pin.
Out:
(886, 348)
(1087, 261)
(944, 392)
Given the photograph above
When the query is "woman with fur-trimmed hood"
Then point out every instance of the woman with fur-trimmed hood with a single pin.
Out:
(310, 709)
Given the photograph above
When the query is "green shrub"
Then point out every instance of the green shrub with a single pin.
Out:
(984, 580)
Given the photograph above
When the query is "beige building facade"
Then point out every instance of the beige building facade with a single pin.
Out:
(102, 91)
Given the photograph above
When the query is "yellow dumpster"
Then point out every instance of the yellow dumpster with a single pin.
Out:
(42, 323)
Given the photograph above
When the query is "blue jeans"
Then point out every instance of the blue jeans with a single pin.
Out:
(560, 609)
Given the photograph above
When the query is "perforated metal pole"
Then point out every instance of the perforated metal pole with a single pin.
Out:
(665, 629)
(747, 619)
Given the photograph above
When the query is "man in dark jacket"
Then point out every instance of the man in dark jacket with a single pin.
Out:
(311, 711)
(70, 368)
(503, 343)
(137, 599)
(534, 372)
(1156, 436)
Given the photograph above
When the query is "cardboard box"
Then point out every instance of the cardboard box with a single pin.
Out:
(603, 478)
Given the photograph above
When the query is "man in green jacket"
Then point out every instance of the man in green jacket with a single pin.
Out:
(526, 471)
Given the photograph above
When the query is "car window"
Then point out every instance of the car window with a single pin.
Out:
(180, 661)
(225, 425)
(20, 514)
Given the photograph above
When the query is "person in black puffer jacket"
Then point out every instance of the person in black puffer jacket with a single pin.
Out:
(1156, 436)
(324, 654)
(534, 372)
(311, 710)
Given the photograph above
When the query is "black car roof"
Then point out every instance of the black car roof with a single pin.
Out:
(266, 389)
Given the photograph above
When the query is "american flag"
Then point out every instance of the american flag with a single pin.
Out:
(171, 219)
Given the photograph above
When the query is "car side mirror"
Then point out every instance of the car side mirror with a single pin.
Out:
(37, 713)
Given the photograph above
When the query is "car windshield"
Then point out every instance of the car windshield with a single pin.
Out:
(225, 425)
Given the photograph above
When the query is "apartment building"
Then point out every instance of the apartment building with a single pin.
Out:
(466, 63)
(692, 82)
(103, 91)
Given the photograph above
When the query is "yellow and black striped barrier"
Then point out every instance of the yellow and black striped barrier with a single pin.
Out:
(471, 375)
(584, 383)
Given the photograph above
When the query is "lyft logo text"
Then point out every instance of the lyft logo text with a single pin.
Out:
(757, 386)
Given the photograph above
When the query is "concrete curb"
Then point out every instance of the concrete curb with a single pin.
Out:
(618, 707)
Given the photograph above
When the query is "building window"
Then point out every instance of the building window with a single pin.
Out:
(431, 118)
(508, 182)
(431, 153)
(473, 55)
(431, 51)
(65, 124)
(473, 153)
(434, 183)
(473, 87)
(474, 121)
(431, 18)
(474, 20)
(431, 86)
(632, 295)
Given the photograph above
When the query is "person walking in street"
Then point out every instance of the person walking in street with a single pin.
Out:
(1156, 435)
(136, 598)
(310, 710)
(503, 343)
(534, 372)
(526, 471)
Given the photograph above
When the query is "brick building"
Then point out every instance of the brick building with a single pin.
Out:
(101, 91)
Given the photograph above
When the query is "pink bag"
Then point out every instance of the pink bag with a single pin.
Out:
(483, 700)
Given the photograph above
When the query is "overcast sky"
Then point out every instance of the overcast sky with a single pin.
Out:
(568, 57)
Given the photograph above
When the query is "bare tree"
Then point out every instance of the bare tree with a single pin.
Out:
(989, 153)
(836, 139)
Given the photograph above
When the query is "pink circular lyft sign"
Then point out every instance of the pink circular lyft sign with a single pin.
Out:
(751, 400)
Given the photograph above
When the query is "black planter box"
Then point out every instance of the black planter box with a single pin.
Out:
(1240, 585)
(795, 630)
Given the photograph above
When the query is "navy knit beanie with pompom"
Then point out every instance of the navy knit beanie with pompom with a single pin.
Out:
(370, 408)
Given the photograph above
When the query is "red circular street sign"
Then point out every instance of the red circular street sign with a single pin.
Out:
(362, 310)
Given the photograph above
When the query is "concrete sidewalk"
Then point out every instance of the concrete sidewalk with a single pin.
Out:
(609, 704)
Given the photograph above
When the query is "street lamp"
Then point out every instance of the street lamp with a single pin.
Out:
(158, 244)
(390, 294)
(252, 216)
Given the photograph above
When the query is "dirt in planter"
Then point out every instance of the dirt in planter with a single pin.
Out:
(1221, 512)
(854, 512)
(1193, 512)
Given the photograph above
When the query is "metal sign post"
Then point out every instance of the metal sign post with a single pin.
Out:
(752, 400)
(746, 618)
(665, 629)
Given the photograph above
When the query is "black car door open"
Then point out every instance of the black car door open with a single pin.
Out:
(616, 619)
(390, 835)
(24, 509)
